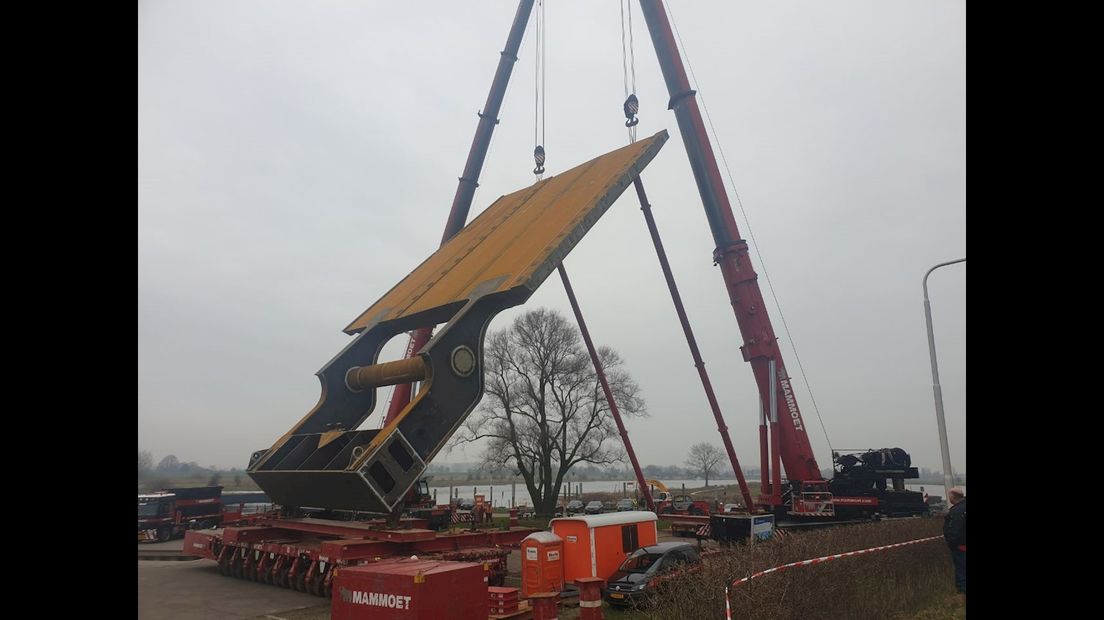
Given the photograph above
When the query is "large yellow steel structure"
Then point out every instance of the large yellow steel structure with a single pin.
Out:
(496, 262)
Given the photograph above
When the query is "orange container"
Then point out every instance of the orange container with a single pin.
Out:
(595, 545)
(542, 565)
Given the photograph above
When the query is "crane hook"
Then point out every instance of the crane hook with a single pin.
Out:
(538, 156)
(632, 106)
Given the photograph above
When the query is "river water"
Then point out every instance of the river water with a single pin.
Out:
(504, 492)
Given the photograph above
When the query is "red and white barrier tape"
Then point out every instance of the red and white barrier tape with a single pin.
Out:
(831, 557)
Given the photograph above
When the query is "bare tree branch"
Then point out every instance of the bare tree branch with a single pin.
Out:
(543, 409)
(703, 460)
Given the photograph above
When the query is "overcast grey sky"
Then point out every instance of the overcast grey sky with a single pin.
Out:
(297, 159)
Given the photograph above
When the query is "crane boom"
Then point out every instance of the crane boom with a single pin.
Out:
(731, 253)
(469, 180)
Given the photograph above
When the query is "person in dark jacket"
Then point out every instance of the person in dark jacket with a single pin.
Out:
(954, 532)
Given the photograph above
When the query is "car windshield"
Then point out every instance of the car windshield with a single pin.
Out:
(595, 504)
(640, 563)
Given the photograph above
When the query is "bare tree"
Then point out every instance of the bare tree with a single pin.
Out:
(543, 409)
(145, 464)
(168, 465)
(703, 460)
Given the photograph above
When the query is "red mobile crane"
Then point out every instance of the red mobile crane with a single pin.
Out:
(860, 482)
(324, 460)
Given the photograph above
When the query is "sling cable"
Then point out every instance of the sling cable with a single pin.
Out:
(631, 107)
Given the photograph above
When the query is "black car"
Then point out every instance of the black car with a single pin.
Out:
(595, 508)
(635, 581)
(575, 506)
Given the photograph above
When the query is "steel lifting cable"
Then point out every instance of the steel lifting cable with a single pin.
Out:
(539, 157)
(751, 235)
(631, 108)
(538, 92)
(628, 68)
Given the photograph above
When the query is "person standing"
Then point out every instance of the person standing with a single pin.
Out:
(954, 532)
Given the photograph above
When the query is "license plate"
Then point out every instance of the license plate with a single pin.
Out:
(616, 595)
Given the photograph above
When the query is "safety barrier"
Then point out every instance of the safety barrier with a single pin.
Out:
(831, 557)
(728, 607)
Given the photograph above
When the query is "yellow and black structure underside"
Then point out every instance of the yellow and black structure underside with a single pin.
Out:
(494, 263)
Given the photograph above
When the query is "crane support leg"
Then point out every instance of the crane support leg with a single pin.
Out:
(600, 371)
(692, 342)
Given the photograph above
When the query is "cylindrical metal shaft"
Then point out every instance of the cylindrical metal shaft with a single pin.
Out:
(388, 373)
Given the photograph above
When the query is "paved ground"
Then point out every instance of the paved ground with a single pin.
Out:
(193, 590)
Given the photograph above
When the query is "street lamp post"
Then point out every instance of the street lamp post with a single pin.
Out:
(948, 481)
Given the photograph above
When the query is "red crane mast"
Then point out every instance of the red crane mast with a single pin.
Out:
(731, 254)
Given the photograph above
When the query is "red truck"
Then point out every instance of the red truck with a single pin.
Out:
(167, 514)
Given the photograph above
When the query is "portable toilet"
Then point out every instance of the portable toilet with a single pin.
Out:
(542, 565)
(595, 545)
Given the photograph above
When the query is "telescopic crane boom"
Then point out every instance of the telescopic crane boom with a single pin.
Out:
(731, 254)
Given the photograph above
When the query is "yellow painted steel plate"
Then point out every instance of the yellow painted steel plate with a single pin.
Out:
(518, 240)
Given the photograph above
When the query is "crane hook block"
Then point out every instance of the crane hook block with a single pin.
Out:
(631, 107)
(496, 262)
(538, 157)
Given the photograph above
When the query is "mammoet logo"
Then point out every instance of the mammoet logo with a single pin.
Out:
(791, 404)
(376, 599)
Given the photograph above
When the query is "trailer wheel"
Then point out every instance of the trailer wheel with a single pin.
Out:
(301, 581)
(694, 510)
(164, 533)
(236, 566)
(224, 565)
(280, 578)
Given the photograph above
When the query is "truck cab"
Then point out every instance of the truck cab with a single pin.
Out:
(155, 516)
(167, 514)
